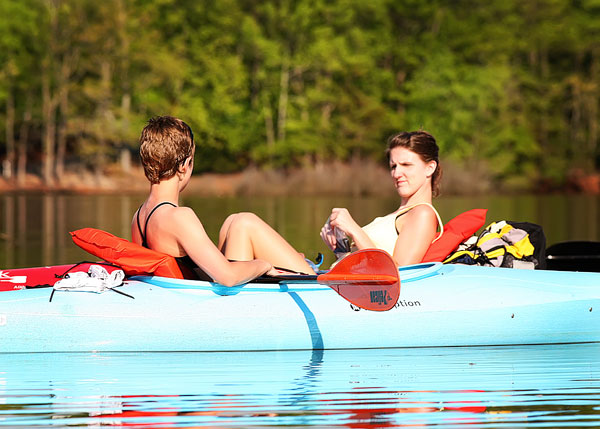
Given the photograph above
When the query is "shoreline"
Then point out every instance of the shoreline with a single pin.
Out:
(333, 178)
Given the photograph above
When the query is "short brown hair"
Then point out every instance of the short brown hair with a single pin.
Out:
(423, 144)
(165, 144)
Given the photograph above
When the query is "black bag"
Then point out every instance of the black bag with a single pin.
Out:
(521, 245)
(537, 238)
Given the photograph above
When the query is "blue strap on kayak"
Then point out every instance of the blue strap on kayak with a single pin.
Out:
(317, 263)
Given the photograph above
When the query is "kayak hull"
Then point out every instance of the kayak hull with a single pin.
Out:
(439, 305)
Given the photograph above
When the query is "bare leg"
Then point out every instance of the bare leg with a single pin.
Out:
(225, 230)
(245, 236)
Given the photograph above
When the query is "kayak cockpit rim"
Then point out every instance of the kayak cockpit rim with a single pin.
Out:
(408, 273)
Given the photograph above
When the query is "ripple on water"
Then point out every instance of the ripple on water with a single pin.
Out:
(527, 386)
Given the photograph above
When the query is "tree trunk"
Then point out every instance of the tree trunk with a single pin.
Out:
(48, 102)
(125, 156)
(103, 115)
(254, 85)
(269, 126)
(593, 114)
(283, 99)
(122, 17)
(22, 143)
(61, 144)
(326, 111)
(544, 115)
(49, 130)
(10, 137)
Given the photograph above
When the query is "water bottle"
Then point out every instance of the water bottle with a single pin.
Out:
(342, 243)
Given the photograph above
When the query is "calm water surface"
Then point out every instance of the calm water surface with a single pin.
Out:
(34, 228)
(527, 386)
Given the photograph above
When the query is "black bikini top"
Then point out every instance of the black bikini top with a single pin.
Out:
(144, 241)
(188, 267)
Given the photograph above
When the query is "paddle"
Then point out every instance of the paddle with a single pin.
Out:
(367, 278)
(574, 256)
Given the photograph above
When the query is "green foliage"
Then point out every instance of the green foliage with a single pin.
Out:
(512, 85)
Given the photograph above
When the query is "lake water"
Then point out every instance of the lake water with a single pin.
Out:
(525, 386)
(495, 387)
(34, 228)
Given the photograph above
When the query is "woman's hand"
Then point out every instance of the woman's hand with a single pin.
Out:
(328, 235)
(339, 225)
(274, 272)
(341, 219)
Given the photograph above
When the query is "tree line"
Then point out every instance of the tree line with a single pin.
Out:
(509, 87)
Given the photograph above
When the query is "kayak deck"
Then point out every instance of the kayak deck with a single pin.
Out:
(439, 305)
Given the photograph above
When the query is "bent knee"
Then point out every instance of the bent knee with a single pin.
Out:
(245, 220)
(229, 219)
(227, 223)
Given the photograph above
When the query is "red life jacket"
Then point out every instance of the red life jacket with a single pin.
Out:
(456, 231)
(131, 257)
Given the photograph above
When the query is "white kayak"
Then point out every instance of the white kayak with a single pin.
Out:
(439, 305)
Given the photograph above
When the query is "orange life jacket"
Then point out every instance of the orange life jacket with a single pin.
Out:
(131, 257)
(456, 231)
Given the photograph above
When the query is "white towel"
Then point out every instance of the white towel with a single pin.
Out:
(97, 279)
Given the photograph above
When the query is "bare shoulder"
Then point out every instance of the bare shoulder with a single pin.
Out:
(421, 215)
(184, 213)
(184, 217)
(423, 210)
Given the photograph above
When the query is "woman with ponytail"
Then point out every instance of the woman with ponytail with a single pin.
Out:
(406, 233)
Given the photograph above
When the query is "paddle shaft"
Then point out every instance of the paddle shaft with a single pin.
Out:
(367, 278)
(350, 278)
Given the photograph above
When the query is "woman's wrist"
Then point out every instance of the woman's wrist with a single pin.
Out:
(265, 266)
(354, 232)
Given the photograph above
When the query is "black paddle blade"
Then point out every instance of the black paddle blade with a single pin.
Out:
(574, 256)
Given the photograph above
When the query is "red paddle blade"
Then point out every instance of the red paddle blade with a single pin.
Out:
(368, 279)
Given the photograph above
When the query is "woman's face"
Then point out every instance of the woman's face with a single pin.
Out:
(409, 172)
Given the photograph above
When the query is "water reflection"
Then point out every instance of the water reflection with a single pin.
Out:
(35, 226)
(48, 228)
(8, 233)
(524, 386)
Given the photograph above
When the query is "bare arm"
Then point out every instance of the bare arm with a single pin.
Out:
(192, 238)
(417, 229)
(341, 218)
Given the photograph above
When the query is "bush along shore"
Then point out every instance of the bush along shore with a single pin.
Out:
(356, 178)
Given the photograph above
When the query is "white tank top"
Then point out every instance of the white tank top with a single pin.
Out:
(382, 230)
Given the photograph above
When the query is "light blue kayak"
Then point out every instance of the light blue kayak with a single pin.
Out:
(439, 305)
